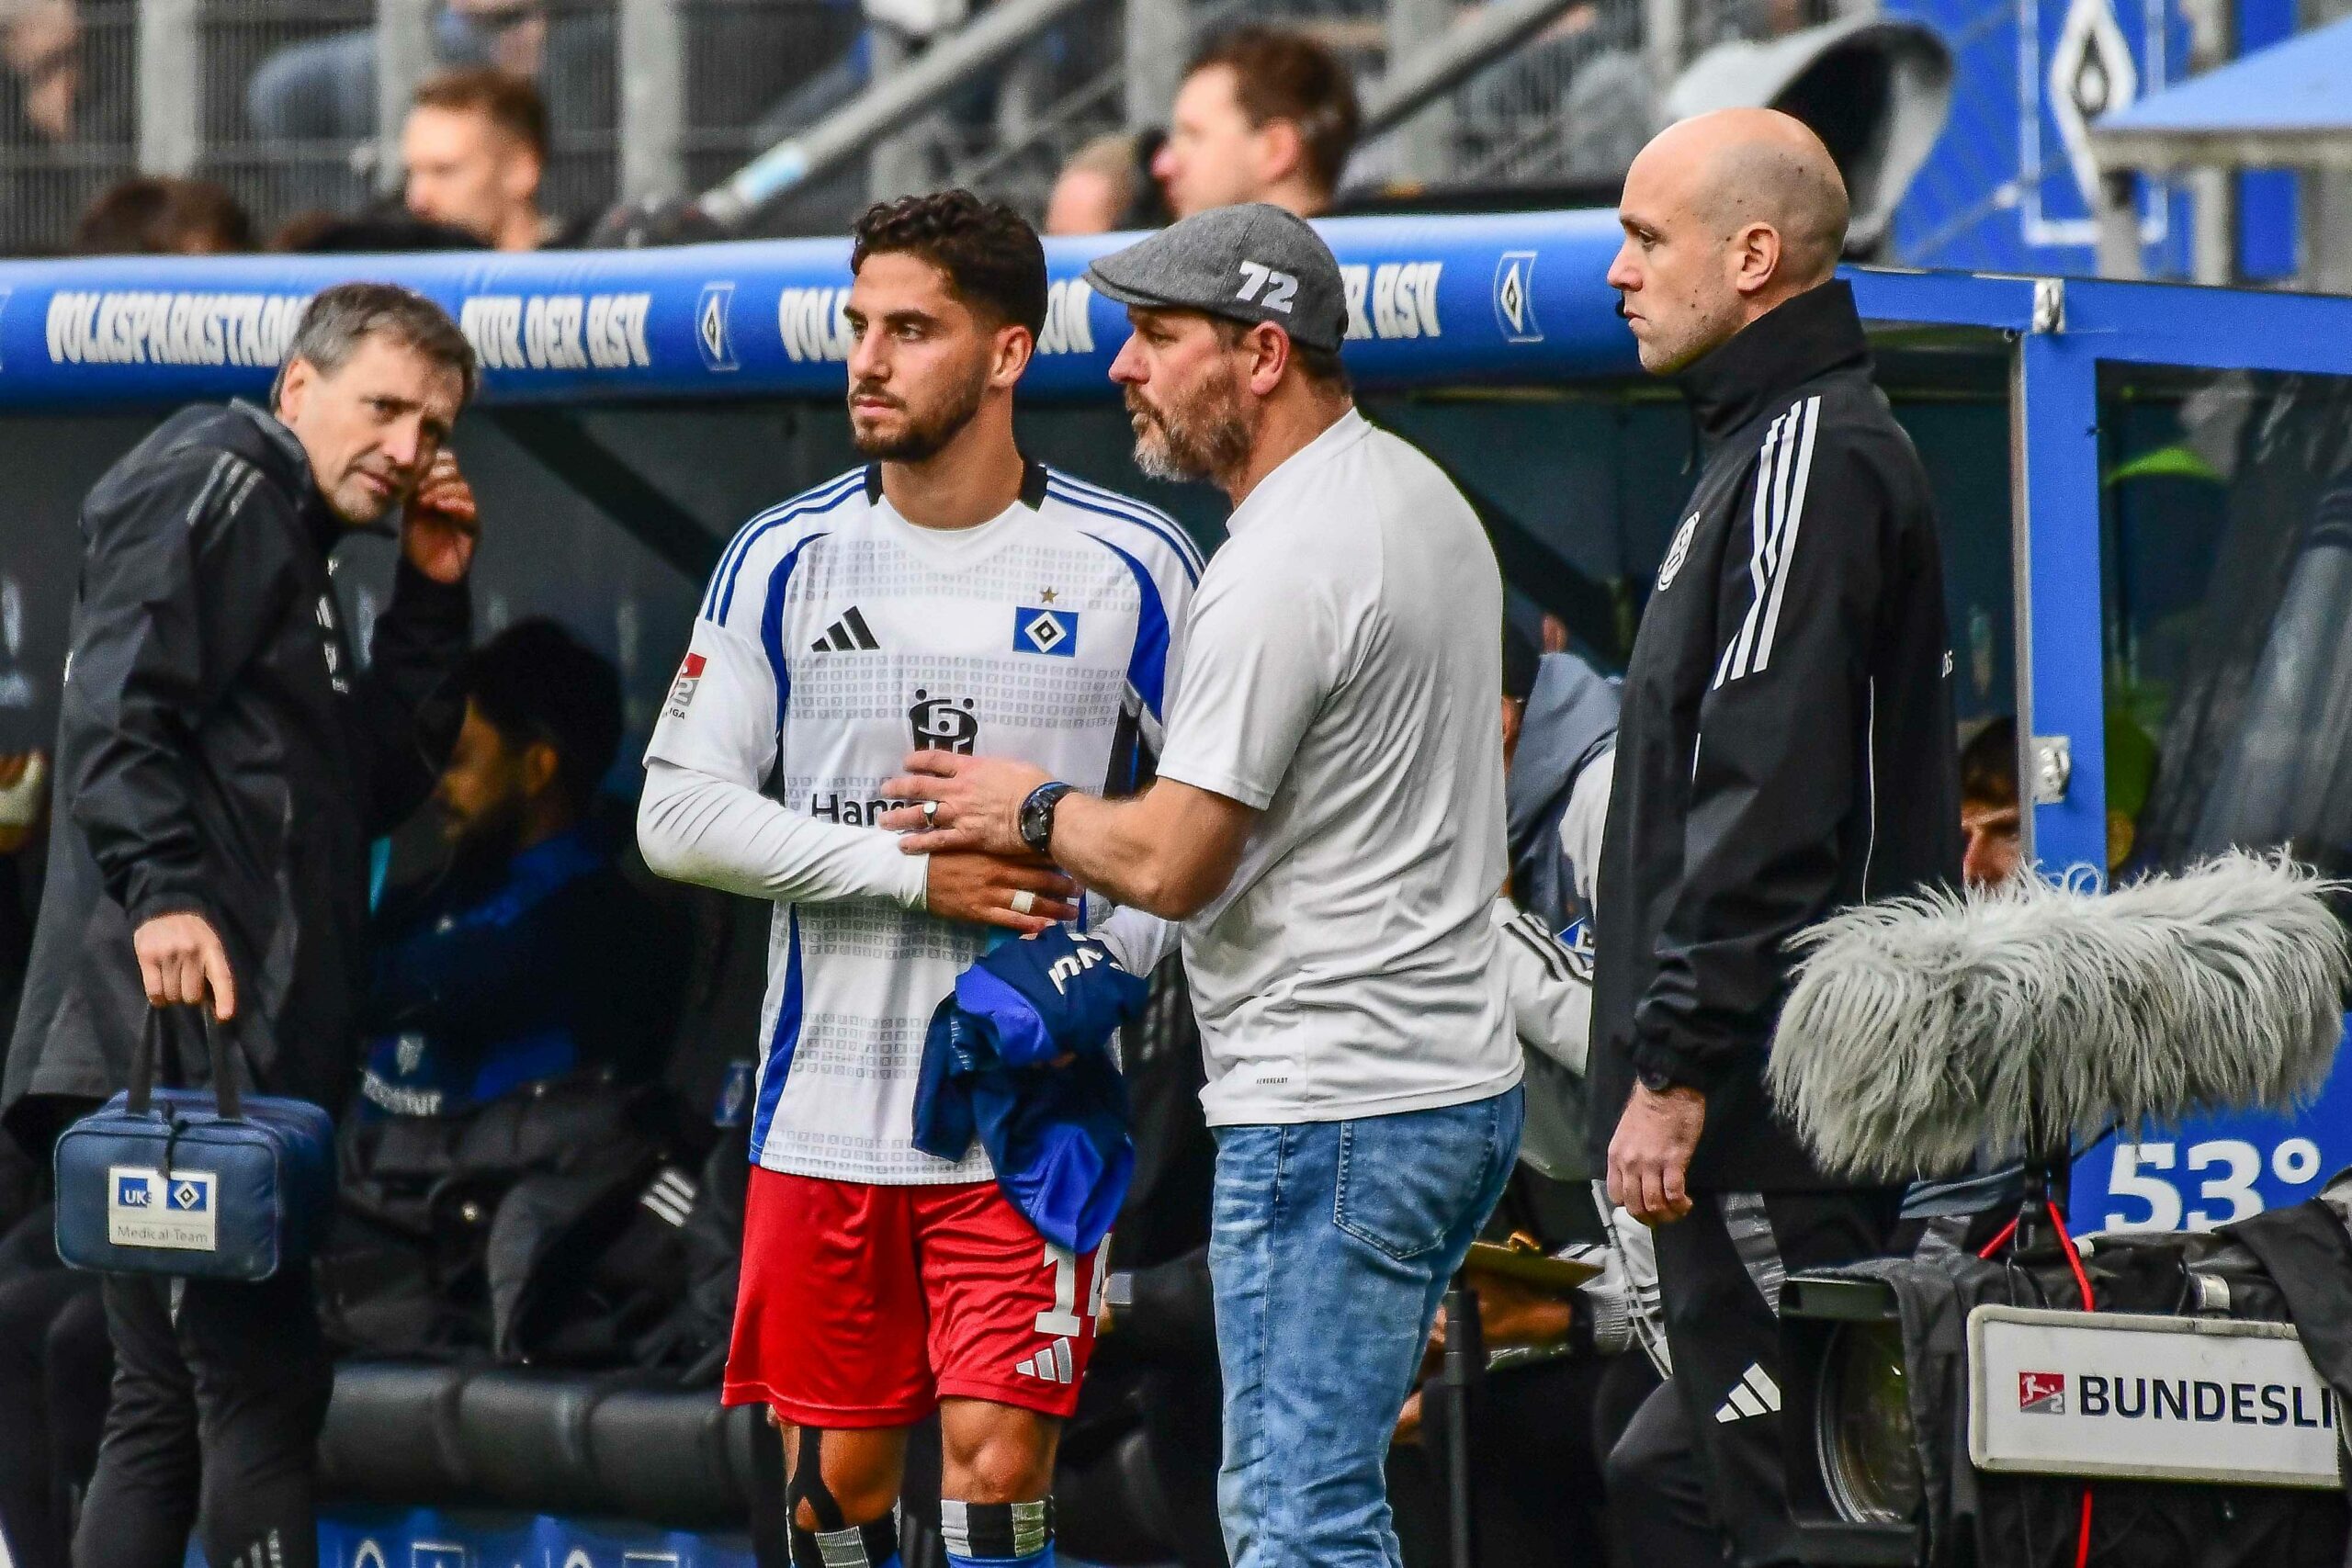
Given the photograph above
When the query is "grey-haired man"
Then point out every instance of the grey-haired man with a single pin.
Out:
(224, 761)
(1328, 823)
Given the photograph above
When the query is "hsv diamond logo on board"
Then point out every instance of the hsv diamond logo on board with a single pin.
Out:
(713, 331)
(1515, 297)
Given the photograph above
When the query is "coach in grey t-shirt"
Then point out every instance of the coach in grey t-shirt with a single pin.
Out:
(1328, 824)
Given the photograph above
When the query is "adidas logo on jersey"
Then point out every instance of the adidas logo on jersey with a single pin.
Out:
(1754, 1394)
(1053, 1363)
(848, 634)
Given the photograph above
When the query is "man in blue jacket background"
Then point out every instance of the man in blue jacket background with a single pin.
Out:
(529, 956)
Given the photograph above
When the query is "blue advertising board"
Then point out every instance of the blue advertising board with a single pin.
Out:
(1509, 298)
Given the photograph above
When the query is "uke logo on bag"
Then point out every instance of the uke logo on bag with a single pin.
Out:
(147, 1208)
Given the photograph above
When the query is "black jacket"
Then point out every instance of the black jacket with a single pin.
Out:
(1786, 744)
(221, 751)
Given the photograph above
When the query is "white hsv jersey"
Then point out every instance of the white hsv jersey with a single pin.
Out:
(834, 638)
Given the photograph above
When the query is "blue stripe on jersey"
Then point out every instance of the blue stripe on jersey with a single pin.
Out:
(1072, 498)
(1147, 666)
(781, 1043)
(1151, 517)
(721, 596)
(1162, 526)
(819, 496)
(772, 623)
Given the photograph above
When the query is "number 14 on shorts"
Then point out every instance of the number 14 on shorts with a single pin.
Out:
(1061, 1321)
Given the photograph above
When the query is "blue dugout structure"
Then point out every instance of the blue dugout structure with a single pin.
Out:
(2144, 491)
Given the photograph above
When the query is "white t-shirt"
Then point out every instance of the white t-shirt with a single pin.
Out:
(1344, 675)
(835, 637)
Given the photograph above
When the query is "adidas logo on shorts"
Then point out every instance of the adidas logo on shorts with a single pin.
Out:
(1053, 1363)
(1754, 1394)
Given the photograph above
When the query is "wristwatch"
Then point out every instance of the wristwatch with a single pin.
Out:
(1038, 815)
(1657, 1080)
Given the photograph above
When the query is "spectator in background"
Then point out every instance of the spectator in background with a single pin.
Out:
(1991, 811)
(476, 148)
(1107, 185)
(53, 108)
(150, 216)
(1992, 846)
(1263, 115)
(324, 89)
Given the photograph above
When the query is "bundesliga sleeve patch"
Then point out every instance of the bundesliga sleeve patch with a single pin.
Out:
(1037, 629)
(683, 692)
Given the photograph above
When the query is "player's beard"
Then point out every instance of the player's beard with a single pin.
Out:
(925, 435)
(481, 845)
(1201, 436)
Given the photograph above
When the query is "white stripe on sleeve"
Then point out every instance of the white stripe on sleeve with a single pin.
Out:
(1760, 518)
(1784, 466)
(1787, 545)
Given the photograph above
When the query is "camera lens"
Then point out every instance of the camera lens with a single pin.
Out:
(1862, 1428)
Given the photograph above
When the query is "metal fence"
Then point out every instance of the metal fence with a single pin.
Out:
(757, 70)
(69, 114)
(293, 123)
(1571, 106)
(280, 100)
(286, 115)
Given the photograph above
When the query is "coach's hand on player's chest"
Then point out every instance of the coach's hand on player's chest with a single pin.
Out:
(961, 803)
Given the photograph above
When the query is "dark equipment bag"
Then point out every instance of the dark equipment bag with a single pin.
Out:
(1970, 1518)
(210, 1183)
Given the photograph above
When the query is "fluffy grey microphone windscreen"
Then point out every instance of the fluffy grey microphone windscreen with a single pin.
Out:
(1921, 1032)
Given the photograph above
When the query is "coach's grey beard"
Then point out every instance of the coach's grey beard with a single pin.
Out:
(1201, 439)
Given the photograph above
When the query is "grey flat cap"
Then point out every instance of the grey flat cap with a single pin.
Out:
(1253, 262)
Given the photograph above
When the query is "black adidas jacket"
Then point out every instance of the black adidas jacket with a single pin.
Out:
(221, 753)
(1786, 747)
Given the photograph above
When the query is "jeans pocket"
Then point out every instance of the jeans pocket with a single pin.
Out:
(1405, 1181)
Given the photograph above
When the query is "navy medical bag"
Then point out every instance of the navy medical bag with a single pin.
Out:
(206, 1184)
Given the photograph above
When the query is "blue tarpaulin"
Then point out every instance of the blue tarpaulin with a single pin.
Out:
(2287, 106)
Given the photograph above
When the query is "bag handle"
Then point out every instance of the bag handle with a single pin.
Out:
(226, 1096)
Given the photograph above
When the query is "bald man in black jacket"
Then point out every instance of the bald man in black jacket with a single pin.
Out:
(1785, 751)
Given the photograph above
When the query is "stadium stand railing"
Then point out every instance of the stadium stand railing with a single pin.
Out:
(279, 100)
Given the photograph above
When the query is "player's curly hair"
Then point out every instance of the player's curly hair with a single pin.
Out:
(993, 259)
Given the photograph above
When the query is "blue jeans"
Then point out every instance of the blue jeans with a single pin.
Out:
(1332, 1245)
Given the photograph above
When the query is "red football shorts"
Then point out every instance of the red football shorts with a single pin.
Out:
(865, 1307)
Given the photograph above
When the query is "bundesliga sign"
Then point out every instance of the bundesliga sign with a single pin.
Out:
(2147, 1399)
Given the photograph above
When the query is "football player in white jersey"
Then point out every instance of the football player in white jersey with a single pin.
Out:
(953, 595)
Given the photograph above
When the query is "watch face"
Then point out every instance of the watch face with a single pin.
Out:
(1037, 819)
